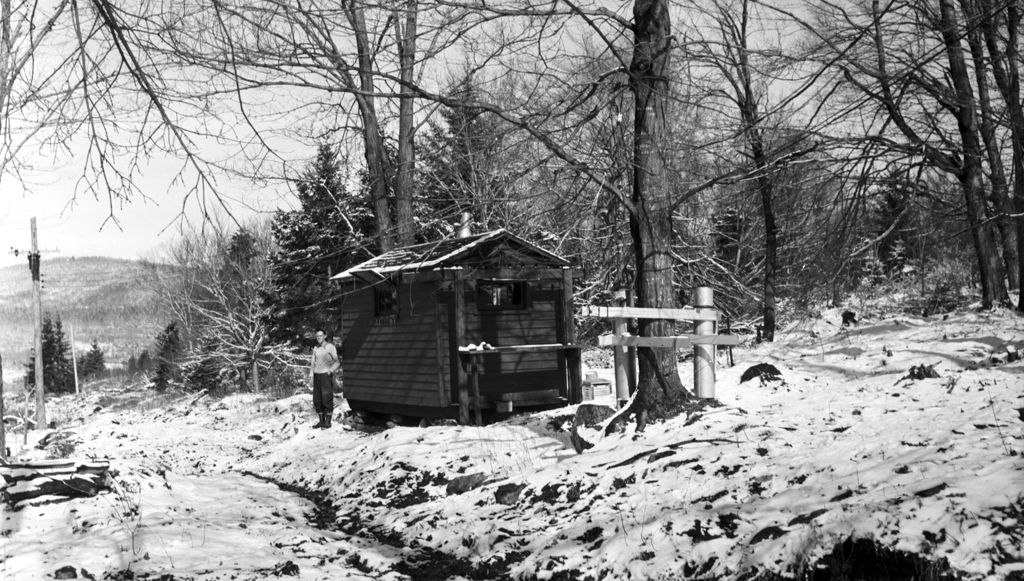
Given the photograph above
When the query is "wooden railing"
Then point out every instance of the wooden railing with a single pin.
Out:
(704, 340)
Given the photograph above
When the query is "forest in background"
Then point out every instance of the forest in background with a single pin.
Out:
(784, 153)
(106, 300)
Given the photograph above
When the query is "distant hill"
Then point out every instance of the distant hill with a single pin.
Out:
(109, 300)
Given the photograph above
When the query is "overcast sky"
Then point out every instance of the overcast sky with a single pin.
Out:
(81, 226)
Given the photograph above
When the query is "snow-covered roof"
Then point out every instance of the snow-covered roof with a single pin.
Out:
(449, 252)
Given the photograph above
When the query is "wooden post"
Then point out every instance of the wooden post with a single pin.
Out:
(459, 304)
(3, 426)
(574, 363)
(24, 415)
(568, 322)
(633, 364)
(704, 355)
(622, 375)
(475, 364)
(441, 344)
(37, 292)
(567, 336)
(74, 359)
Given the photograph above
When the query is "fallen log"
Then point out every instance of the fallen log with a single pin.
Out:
(60, 478)
(63, 486)
(15, 472)
(14, 469)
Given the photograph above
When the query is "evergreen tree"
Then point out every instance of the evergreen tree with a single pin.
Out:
(462, 166)
(205, 369)
(333, 230)
(168, 352)
(92, 363)
(58, 372)
(133, 364)
(145, 362)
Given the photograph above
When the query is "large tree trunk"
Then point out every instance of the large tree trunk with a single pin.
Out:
(377, 170)
(659, 390)
(406, 40)
(765, 186)
(1007, 75)
(1000, 190)
(965, 164)
(993, 285)
(1013, 100)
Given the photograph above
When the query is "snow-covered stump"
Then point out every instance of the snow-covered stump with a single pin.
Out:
(59, 478)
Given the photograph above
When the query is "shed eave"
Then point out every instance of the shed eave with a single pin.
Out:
(443, 261)
(502, 232)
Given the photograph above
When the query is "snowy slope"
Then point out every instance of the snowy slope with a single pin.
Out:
(770, 481)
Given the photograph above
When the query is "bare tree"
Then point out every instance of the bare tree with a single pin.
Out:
(310, 72)
(907, 58)
(1000, 23)
(405, 41)
(216, 289)
(747, 59)
(988, 121)
(659, 389)
(32, 100)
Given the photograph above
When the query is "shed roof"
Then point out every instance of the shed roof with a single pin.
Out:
(451, 252)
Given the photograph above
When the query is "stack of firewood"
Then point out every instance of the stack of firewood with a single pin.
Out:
(60, 479)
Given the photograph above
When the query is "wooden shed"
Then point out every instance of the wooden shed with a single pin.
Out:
(415, 318)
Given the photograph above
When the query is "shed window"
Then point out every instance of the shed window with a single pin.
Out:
(385, 300)
(501, 295)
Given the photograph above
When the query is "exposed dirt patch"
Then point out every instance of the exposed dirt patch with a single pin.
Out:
(423, 564)
(864, 559)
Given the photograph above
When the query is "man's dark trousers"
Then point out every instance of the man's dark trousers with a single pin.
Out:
(323, 394)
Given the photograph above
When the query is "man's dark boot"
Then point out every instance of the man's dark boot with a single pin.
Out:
(320, 424)
(327, 421)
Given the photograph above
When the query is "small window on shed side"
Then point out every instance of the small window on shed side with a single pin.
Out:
(501, 295)
(385, 300)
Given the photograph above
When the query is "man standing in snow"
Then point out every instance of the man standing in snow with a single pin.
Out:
(325, 363)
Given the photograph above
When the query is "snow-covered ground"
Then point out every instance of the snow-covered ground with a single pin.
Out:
(845, 446)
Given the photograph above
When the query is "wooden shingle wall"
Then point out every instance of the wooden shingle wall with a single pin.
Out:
(392, 360)
(409, 364)
(538, 324)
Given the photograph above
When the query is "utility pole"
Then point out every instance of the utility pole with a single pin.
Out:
(3, 426)
(74, 357)
(37, 292)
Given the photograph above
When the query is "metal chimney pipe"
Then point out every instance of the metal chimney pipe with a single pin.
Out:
(465, 225)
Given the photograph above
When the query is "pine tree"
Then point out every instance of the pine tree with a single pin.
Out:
(58, 372)
(462, 168)
(205, 369)
(133, 364)
(145, 362)
(168, 352)
(333, 230)
(92, 363)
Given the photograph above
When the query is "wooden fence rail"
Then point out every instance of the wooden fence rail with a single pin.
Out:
(704, 340)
